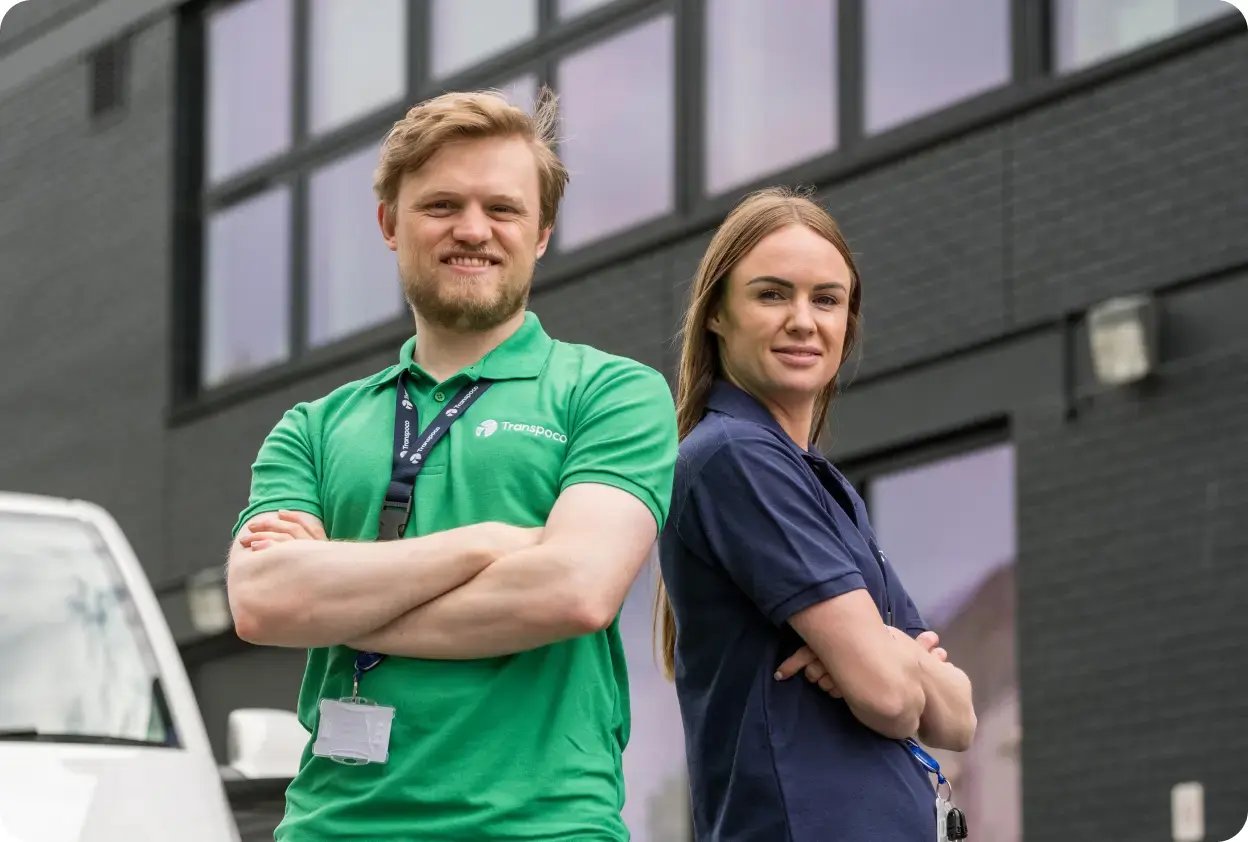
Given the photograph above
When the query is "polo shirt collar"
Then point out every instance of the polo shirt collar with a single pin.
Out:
(521, 355)
(734, 401)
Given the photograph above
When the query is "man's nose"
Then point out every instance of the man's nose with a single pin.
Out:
(472, 227)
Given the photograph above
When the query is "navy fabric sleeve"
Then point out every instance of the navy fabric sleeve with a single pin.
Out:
(912, 620)
(754, 510)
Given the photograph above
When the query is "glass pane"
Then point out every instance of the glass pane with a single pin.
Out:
(73, 651)
(572, 8)
(247, 287)
(1085, 33)
(468, 31)
(617, 100)
(357, 61)
(770, 87)
(657, 806)
(921, 56)
(521, 91)
(949, 528)
(353, 276)
(249, 84)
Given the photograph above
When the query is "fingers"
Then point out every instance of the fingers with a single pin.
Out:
(249, 539)
(941, 654)
(795, 663)
(929, 639)
(312, 526)
(815, 672)
(827, 685)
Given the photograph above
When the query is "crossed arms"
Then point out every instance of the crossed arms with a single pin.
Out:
(472, 592)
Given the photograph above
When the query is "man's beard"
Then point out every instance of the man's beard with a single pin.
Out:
(470, 312)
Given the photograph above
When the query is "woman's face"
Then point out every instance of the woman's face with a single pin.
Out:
(781, 322)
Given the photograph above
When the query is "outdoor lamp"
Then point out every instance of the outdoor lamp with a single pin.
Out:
(207, 603)
(1122, 333)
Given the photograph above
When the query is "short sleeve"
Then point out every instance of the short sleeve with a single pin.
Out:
(284, 473)
(624, 435)
(756, 513)
(914, 622)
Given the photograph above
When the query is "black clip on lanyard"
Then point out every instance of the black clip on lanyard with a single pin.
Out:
(408, 461)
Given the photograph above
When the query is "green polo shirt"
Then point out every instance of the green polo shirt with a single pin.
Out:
(521, 747)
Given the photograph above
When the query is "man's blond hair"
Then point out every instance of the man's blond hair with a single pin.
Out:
(466, 116)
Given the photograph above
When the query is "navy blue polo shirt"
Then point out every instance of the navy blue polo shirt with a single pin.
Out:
(760, 529)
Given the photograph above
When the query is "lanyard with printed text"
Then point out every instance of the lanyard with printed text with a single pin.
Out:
(410, 454)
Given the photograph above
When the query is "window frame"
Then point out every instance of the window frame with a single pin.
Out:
(1034, 82)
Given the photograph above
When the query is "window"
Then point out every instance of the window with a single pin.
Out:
(921, 56)
(358, 59)
(572, 8)
(521, 91)
(618, 120)
(657, 806)
(949, 529)
(770, 87)
(352, 275)
(1085, 33)
(246, 296)
(465, 32)
(249, 84)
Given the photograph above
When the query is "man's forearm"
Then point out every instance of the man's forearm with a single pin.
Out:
(522, 601)
(318, 593)
(948, 719)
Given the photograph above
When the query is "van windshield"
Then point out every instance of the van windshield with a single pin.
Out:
(75, 663)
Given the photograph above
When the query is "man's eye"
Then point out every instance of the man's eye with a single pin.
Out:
(504, 209)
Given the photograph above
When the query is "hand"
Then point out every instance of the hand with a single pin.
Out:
(930, 641)
(275, 527)
(806, 661)
(500, 539)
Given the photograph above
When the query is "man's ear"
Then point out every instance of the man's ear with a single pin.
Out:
(386, 221)
(543, 240)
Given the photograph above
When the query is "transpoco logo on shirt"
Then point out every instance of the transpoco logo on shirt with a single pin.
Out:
(489, 427)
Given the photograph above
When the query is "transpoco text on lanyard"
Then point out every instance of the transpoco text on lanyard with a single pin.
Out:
(950, 821)
(354, 730)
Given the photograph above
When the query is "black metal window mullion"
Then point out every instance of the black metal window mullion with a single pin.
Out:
(690, 103)
(1030, 28)
(188, 216)
(300, 98)
(418, 29)
(547, 16)
(850, 84)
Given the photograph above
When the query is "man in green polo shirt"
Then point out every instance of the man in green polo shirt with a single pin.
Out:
(500, 710)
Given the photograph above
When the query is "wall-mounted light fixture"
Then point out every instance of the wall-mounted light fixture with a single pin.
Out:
(1123, 334)
(207, 603)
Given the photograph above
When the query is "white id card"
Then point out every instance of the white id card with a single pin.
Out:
(942, 819)
(353, 731)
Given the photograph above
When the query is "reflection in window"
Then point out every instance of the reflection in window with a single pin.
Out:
(358, 62)
(921, 56)
(572, 8)
(73, 652)
(352, 275)
(1085, 33)
(949, 529)
(465, 32)
(249, 84)
(246, 306)
(657, 806)
(521, 91)
(770, 87)
(618, 122)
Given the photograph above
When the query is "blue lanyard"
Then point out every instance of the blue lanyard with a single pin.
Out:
(409, 459)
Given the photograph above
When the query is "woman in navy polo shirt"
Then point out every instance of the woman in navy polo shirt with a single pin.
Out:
(771, 566)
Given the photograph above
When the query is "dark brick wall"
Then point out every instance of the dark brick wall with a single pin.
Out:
(1130, 567)
(1131, 586)
(30, 18)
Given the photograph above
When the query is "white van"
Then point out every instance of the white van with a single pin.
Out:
(100, 736)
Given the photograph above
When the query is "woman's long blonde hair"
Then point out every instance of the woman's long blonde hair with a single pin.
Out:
(759, 214)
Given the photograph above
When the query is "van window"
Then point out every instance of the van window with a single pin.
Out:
(75, 664)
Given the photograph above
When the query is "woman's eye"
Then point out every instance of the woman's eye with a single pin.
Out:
(826, 301)
(769, 295)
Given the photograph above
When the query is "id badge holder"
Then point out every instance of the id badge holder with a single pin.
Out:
(353, 731)
(942, 819)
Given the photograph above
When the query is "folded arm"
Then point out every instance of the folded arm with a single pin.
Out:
(289, 587)
(948, 720)
(569, 584)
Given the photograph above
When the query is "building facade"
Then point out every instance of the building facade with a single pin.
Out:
(188, 248)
